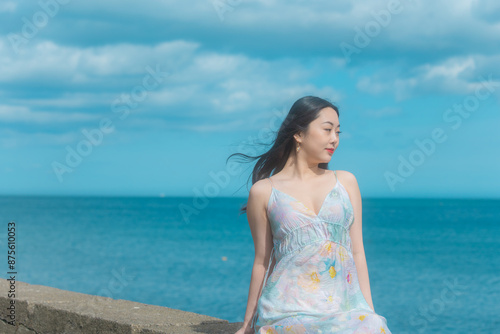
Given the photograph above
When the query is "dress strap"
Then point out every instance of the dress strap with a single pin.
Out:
(336, 178)
(254, 320)
(271, 182)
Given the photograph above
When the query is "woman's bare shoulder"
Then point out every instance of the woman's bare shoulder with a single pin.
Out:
(347, 179)
(260, 192)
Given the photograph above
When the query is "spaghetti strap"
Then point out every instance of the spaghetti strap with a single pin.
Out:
(271, 182)
(336, 177)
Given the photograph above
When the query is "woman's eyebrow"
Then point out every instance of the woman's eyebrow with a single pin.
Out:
(338, 126)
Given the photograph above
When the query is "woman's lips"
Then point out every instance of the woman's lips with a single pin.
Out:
(330, 150)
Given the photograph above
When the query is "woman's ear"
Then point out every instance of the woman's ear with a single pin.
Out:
(298, 138)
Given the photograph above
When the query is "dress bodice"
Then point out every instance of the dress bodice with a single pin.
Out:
(294, 225)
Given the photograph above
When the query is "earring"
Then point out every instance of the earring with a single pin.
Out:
(298, 148)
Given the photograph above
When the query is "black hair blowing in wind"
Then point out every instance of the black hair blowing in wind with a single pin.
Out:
(303, 111)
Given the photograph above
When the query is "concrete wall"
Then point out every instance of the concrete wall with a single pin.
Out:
(40, 309)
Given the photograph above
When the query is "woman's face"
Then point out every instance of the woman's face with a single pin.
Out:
(322, 134)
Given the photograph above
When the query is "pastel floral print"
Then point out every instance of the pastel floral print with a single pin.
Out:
(313, 286)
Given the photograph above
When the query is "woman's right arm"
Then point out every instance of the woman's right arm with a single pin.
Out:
(263, 243)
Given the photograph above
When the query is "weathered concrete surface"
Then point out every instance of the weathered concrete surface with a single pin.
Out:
(45, 310)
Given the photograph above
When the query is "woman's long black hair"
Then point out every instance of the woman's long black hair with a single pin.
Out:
(303, 111)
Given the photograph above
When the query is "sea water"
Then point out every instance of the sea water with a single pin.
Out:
(433, 264)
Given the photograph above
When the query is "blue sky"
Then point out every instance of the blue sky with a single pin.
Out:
(150, 98)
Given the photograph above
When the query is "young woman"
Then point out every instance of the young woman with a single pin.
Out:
(305, 221)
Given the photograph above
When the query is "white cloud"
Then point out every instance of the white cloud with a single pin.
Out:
(46, 60)
(8, 6)
(486, 9)
(11, 138)
(201, 82)
(218, 68)
(24, 114)
(456, 75)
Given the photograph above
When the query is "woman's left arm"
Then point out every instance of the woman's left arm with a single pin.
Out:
(356, 234)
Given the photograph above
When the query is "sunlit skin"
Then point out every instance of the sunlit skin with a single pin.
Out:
(322, 133)
(302, 179)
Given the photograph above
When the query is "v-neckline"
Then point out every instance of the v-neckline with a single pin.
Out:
(316, 215)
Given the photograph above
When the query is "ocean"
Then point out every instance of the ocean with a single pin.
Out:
(434, 264)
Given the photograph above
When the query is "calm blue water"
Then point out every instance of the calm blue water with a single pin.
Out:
(434, 265)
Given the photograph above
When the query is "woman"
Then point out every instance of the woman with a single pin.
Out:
(305, 221)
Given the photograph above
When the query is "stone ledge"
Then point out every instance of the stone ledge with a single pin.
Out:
(45, 310)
